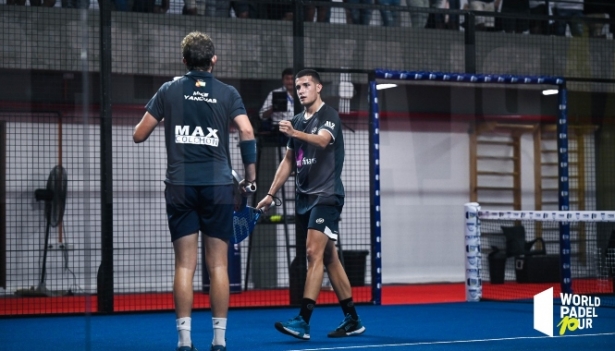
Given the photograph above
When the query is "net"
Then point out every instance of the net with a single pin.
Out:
(523, 253)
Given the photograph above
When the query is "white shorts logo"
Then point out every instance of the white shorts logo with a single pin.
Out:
(320, 221)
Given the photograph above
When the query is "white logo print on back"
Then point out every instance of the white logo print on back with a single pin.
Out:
(197, 136)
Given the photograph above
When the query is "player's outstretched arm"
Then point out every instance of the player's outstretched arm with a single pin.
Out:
(321, 140)
(281, 175)
(145, 127)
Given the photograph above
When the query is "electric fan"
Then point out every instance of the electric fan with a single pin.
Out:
(54, 196)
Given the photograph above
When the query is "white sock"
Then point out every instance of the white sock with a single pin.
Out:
(183, 331)
(219, 325)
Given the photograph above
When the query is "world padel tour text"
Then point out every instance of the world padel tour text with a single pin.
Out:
(577, 312)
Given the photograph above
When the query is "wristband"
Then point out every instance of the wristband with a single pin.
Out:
(276, 200)
(248, 151)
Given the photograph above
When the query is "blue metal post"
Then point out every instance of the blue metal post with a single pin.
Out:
(564, 205)
(374, 129)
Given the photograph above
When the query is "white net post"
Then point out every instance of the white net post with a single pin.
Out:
(474, 289)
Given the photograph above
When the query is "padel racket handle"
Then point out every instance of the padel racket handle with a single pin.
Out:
(250, 187)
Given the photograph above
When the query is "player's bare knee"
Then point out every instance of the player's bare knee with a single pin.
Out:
(313, 256)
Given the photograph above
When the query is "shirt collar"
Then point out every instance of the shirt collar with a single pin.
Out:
(195, 73)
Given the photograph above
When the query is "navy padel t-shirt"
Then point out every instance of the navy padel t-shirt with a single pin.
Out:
(319, 171)
(197, 110)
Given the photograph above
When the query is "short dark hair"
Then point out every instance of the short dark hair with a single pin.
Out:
(198, 50)
(288, 72)
(309, 73)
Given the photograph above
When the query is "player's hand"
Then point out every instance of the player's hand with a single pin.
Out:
(247, 188)
(265, 203)
(287, 128)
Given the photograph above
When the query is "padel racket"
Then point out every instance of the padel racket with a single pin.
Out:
(244, 216)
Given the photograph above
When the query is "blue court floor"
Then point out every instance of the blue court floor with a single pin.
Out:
(451, 326)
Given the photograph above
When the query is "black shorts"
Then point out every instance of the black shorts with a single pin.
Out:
(205, 208)
(322, 218)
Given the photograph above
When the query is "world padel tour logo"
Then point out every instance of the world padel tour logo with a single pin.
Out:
(577, 312)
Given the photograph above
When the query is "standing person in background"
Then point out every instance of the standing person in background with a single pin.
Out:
(151, 6)
(359, 16)
(418, 19)
(483, 23)
(571, 9)
(197, 110)
(598, 9)
(520, 23)
(453, 20)
(539, 7)
(436, 20)
(323, 13)
(272, 114)
(389, 18)
(316, 147)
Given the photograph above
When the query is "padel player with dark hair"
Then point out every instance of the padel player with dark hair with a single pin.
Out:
(197, 110)
(316, 146)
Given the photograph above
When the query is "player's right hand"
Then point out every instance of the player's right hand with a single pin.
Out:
(286, 128)
(265, 203)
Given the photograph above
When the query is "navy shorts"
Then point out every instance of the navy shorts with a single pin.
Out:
(322, 218)
(205, 208)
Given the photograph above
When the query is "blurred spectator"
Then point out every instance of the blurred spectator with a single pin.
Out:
(518, 24)
(453, 19)
(389, 18)
(438, 20)
(323, 13)
(44, 3)
(121, 5)
(418, 19)
(539, 8)
(279, 11)
(570, 10)
(481, 22)
(191, 8)
(279, 104)
(36, 3)
(359, 16)
(609, 7)
(151, 6)
(442, 20)
(598, 9)
(76, 4)
(219, 8)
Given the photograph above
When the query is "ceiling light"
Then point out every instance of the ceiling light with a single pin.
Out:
(549, 92)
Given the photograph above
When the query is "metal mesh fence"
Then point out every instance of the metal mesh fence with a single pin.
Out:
(53, 71)
(517, 275)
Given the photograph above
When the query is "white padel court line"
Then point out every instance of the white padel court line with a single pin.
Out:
(387, 346)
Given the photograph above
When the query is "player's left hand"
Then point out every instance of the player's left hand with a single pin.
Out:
(287, 128)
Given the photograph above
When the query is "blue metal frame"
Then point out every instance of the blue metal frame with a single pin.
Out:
(374, 136)
(562, 143)
(563, 185)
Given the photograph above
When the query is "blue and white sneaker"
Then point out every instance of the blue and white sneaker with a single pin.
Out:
(187, 348)
(296, 327)
(217, 348)
(349, 327)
